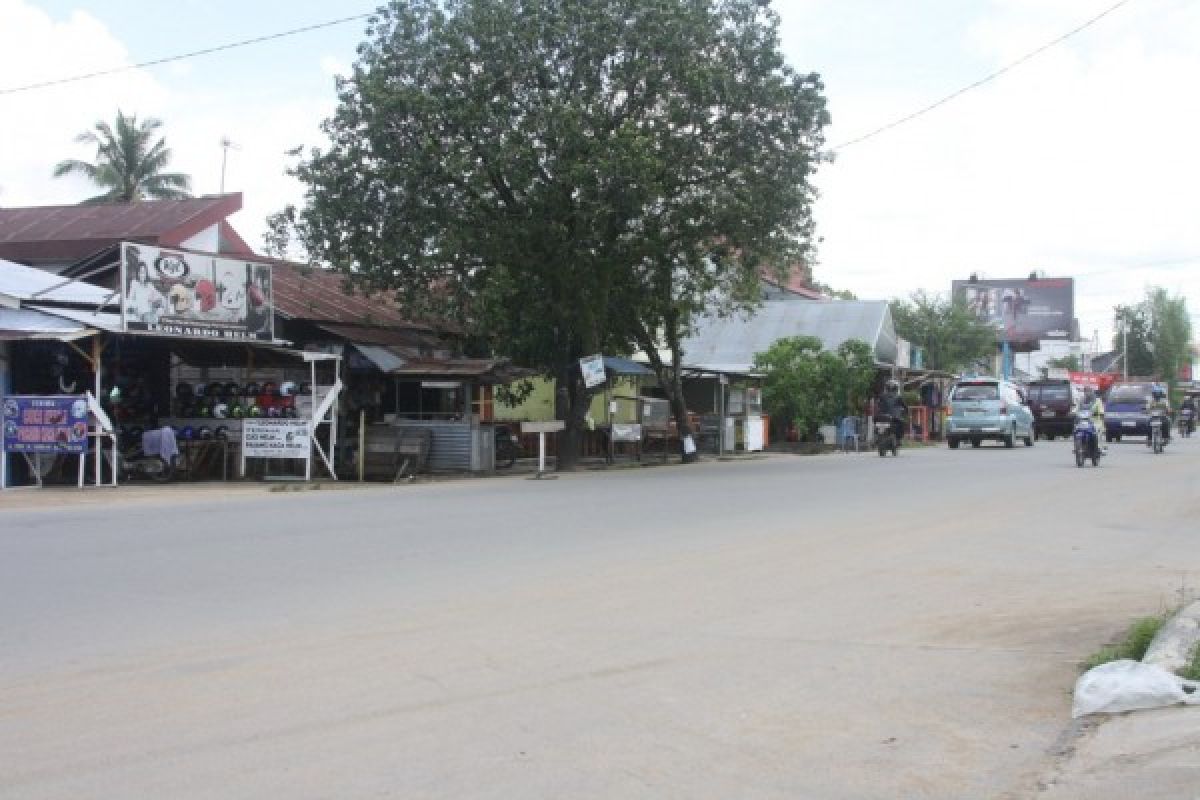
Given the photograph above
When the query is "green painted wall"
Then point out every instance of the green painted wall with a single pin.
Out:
(539, 406)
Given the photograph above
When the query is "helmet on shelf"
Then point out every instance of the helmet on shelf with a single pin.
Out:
(251, 389)
(221, 410)
(269, 388)
(232, 389)
(221, 434)
(205, 410)
(204, 432)
(274, 411)
(237, 411)
(184, 391)
(187, 433)
(254, 410)
(287, 388)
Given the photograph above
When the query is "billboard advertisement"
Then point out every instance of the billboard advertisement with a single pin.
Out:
(52, 424)
(1022, 310)
(176, 293)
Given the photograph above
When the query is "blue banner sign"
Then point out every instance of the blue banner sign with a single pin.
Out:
(54, 424)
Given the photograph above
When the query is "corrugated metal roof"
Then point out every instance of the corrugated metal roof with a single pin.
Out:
(729, 344)
(30, 284)
(25, 323)
(319, 295)
(108, 321)
(381, 357)
(61, 234)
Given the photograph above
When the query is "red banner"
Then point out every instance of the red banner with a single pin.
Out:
(1100, 381)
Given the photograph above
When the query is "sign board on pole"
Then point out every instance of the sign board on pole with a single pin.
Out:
(553, 426)
(626, 432)
(593, 371)
(275, 438)
(1021, 311)
(194, 296)
(51, 424)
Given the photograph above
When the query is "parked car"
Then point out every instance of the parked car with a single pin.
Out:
(988, 408)
(1053, 403)
(1126, 410)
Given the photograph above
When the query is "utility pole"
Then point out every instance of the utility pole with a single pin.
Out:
(1125, 345)
(226, 144)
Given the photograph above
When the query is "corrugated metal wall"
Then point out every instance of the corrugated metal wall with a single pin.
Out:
(451, 446)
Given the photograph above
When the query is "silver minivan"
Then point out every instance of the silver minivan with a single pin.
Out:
(988, 408)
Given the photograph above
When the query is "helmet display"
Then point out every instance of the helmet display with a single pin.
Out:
(199, 390)
(204, 410)
(221, 434)
(204, 432)
(251, 389)
(269, 388)
(232, 389)
(254, 410)
(275, 412)
(187, 432)
(237, 411)
(221, 410)
(183, 391)
(287, 388)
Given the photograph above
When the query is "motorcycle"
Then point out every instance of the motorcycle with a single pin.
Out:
(885, 435)
(133, 463)
(508, 447)
(1086, 440)
(1187, 422)
(1157, 440)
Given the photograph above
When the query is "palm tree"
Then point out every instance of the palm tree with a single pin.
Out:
(129, 163)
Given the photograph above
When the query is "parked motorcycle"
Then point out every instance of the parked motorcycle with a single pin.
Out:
(885, 435)
(1187, 422)
(1157, 440)
(508, 447)
(133, 463)
(1086, 440)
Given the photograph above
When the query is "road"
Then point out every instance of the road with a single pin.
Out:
(840, 626)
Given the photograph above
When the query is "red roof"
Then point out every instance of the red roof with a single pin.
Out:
(62, 234)
(797, 282)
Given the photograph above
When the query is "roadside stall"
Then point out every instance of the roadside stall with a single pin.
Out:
(187, 369)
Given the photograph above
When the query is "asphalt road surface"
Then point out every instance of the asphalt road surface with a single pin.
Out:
(792, 627)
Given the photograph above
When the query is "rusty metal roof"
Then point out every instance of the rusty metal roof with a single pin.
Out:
(62, 234)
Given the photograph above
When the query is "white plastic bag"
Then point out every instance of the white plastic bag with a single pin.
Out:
(1129, 685)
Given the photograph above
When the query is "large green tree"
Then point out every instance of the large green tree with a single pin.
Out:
(952, 337)
(566, 177)
(130, 163)
(1157, 334)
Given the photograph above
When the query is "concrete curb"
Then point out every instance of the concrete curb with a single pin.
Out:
(1173, 645)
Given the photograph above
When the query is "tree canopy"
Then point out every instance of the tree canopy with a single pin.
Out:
(807, 386)
(565, 177)
(952, 337)
(1158, 334)
(130, 163)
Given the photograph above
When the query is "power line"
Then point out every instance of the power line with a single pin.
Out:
(987, 79)
(168, 59)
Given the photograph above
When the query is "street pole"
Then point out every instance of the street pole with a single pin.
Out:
(1125, 346)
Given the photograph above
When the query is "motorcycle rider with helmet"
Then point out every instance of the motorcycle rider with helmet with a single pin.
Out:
(1094, 406)
(892, 404)
(1158, 402)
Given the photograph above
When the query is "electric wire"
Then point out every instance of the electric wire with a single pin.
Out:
(984, 80)
(181, 56)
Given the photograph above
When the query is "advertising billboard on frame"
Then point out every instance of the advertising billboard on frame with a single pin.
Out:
(195, 296)
(1022, 311)
(52, 424)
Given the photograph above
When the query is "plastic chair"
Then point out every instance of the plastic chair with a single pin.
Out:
(849, 434)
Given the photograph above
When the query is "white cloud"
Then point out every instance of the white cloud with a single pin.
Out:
(38, 127)
(1080, 162)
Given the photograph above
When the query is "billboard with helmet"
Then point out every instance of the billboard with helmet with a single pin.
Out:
(1022, 310)
(192, 295)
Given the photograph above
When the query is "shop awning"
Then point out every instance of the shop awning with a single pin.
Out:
(31, 284)
(20, 324)
(625, 366)
(381, 357)
(107, 321)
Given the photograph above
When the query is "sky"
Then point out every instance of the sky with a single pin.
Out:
(1083, 161)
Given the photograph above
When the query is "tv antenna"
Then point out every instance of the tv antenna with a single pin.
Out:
(226, 145)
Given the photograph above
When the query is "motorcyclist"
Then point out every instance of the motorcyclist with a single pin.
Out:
(892, 404)
(1189, 404)
(1093, 405)
(1158, 402)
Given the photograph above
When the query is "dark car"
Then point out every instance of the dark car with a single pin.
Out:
(1126, 410)
(1054, 403)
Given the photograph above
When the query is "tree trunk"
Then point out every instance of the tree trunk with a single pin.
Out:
(670, 378)
(572, 405)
